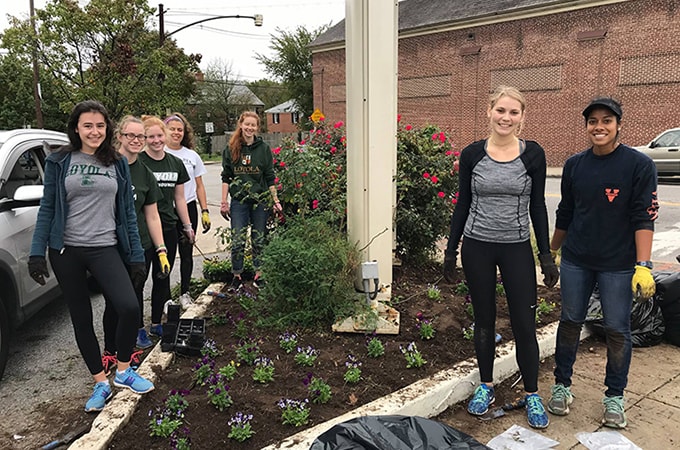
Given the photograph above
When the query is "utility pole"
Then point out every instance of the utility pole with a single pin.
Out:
(161, 24)
(36, 78)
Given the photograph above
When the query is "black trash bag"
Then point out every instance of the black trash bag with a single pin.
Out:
(668, 297)
(647, 326)
(394, 433)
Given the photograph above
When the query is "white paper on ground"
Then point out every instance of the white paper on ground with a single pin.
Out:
(519, 438)
(606, 440)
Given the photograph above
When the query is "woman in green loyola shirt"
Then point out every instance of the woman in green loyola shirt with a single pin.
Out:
(248, 168)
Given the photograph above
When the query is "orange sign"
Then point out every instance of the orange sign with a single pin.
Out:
(317, 115)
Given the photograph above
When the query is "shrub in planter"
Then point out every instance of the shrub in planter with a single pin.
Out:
(309, 266)
(219, 269)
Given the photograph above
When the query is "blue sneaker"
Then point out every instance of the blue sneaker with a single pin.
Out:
(482, 398)
(156, 330)
(536, 415)
(143, 340)
(133, 381)
(102, 393)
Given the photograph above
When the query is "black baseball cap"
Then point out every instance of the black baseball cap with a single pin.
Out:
(604, 102)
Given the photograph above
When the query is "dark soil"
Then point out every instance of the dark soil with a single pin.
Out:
(380, 376)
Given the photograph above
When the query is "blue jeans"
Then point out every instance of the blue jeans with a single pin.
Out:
(242, 215)
(616, 297)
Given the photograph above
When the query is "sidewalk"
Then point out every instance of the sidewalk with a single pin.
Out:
(652, 400)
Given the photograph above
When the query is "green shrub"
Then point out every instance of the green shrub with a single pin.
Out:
(309, 266)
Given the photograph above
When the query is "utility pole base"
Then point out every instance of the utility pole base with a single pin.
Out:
(383, 319)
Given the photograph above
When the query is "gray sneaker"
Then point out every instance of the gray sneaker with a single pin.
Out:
(560, 399)
(614, 416)
(185, 300)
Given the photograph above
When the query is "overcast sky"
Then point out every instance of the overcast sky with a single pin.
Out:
(232, 40)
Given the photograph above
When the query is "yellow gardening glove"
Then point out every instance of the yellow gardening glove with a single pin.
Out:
(643, 284)
(165, 265)
(205, 220)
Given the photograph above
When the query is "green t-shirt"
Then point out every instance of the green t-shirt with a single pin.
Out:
(169, 172)
(145, 191)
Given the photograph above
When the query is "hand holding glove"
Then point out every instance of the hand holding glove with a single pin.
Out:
(164, 263)
(450, 273)
(37, 269)
(205, 220)
(549, 269)
(224, 211)
(189, 233)
(138, 274)
(643, 284)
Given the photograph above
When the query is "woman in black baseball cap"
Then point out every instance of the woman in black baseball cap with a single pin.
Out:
(605, 226)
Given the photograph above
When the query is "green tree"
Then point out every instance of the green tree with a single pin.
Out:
(271, 92)
(106, 51)
(292, 64)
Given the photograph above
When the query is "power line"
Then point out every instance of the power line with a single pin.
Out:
(226, 32)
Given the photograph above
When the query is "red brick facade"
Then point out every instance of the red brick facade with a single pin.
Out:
(286, 123)
(630, 50)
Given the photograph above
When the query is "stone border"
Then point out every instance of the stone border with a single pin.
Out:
(426, 398)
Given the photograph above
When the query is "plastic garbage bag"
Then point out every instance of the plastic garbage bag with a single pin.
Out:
(647, 323)
(668, 297)
(606, 440)
(394, 432)
(520, 438)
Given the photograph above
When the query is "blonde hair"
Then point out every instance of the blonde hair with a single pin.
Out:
(122, 123)
(513, 93)
(236, 140)
(149, 121)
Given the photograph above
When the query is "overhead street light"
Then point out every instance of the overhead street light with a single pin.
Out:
(257, 18)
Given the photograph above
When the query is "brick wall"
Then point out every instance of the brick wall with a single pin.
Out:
(285, 125)
(629, 50)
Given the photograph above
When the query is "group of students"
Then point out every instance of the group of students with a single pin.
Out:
(118, 203)
(604, 229)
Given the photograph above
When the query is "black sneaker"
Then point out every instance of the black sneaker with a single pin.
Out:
(236, 284)
(259, 283)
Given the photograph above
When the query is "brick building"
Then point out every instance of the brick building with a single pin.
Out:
(283, 118)
(560, 53)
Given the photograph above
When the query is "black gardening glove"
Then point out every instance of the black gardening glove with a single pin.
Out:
(450, 273)
(138, 274)
(549, 269)
(37, 269)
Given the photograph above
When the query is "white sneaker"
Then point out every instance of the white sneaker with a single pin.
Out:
(185, 300)
(165, 306)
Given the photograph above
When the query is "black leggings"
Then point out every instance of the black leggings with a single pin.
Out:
(110, 320)
(186, 250)
(106, 266)
(160, 290)
(518, 272)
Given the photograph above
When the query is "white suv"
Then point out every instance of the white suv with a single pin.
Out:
(22, 163)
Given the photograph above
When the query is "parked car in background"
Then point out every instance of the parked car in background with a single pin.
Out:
(22, 163)
(665, 152)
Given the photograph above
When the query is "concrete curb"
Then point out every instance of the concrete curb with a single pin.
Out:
(120, 409)
(426, 398)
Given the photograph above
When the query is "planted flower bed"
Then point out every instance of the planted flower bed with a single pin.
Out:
(253, 386)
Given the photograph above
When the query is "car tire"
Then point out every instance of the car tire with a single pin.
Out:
(5, 333)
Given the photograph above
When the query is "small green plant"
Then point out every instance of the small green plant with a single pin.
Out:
(543, 307)
(468, 333)
(180, 440)
(288, 341)
(412, 355)
(210, 349)
(353, 372)
(426, 329)
(306, 356)
(203, 369)
(294, 412)
(218, 392)
(247, 351)
(168, 418)
(217, 270)
(469, 309)
(241, 429)
(246, 299)
(218, 320)
(375, 348)
(462, 288)
(500, 289)
(229, 371)
(240, 326)
(319, 390)
(263, 372)
(433, 292)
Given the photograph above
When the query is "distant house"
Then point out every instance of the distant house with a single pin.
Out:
(560, 53)
(283, 118)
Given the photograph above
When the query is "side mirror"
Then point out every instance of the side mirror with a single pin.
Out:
(28, 193)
